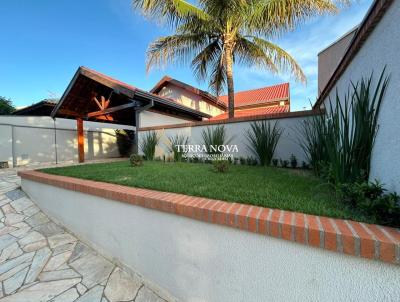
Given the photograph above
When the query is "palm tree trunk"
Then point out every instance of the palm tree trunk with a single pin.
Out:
(229, 79)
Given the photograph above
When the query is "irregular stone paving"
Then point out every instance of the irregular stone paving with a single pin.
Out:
(41, 261)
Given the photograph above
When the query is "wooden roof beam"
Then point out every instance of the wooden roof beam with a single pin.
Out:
(111, 110)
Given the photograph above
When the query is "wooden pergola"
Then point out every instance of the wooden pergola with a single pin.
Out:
(92, 96)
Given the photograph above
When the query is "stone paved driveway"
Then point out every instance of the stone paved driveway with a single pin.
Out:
(41, 261)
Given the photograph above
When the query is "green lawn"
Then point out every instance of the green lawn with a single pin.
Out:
(287, 189)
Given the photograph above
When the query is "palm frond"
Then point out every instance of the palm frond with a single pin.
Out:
(276, 16)
(281, 59)
(177, 48)
(171, 11)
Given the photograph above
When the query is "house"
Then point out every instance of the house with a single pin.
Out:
(263, 101)
(374, 46)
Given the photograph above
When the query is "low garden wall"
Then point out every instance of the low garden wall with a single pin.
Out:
(199, 249)
(236, 130)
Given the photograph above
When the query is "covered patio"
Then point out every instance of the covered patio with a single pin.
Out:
(92, 96)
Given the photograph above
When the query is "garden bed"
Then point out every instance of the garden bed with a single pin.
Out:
(287, 189)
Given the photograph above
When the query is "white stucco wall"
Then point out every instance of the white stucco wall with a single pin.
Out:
(189, 99)
(151, 119)
(381, 49)
(197, 261)
(34, 139)
(287, 145)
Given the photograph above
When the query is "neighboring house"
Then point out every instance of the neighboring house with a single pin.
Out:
(263, 101)
(189, 96)
(42, 108)
(374, 46)
(329, 58)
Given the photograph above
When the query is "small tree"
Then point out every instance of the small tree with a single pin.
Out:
(6, 106)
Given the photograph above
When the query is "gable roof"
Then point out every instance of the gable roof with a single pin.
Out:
(263, 95)
(168, 80)
(76, 100)
(371, 19)
(271, 110)
(42, 108)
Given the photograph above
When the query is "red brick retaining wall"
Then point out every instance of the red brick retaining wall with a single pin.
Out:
(343, 236)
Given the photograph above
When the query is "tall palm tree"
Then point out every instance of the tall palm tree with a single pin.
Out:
(214, 34)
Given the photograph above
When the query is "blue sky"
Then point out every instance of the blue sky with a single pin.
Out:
(44, 41)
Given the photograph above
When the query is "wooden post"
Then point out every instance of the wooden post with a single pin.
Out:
(81, 140)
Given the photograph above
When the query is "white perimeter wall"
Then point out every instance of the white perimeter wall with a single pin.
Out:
(34, 139)
(381, 48)
(151, 119)
(196, 261)
(287, 145)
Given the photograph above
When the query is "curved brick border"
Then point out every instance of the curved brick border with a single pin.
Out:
(343, 236)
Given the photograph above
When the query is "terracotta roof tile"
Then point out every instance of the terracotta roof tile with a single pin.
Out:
(253, 112)
(261, 95)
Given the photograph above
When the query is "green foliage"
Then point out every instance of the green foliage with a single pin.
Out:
(284, 163)
(211, 35)
(275, 162)
(178, 140)
(371, 199)
(262, 139)
(242, 160)
(293, 161)
(352, 125)
(305, 165)
(339, 144)
(6, 106)
(136, 160)
(148, 145)
(221, 166)
(125, 141)
(312, 139)
(214, 136)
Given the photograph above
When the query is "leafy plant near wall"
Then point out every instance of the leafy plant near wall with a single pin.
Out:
(214, 136)
(352, 125)
(339, 144)
(312, 136)
(262, 139)
(136, 160)
(178, 140)
(148, 145)
(373, 201)
(125, 141)
(221, 166)
(293, 161)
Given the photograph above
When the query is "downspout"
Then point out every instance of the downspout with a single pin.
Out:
(137, 120)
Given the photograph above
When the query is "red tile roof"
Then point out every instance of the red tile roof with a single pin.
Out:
(253, 112)
(259, 96)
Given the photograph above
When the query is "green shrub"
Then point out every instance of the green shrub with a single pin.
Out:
(284, 163)
(221, 166)
(242, 160)
(125, 141)
(148, 145)
(136, 160)
(214, 136)
(262, 139)
(312, 139)
(304, 165)
(275, 162)
(371, 199)
(293, 161)
(178, 140)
